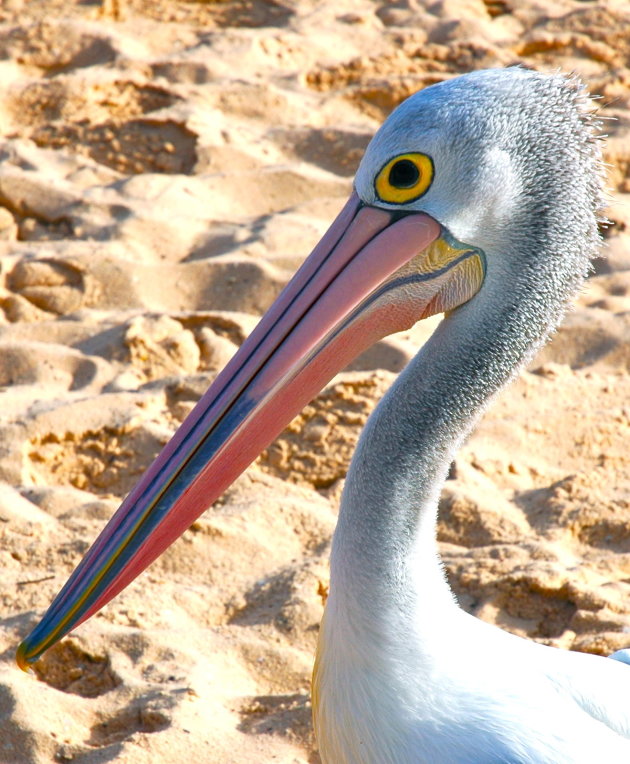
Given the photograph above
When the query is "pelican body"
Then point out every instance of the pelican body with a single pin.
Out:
(478, 198)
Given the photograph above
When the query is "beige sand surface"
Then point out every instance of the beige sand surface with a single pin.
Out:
(164, 166)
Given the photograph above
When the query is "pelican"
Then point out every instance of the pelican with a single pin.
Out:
(478, 198)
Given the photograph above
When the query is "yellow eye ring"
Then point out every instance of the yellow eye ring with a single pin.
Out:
(404, 178)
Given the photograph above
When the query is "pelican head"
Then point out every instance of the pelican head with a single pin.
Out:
(473, 193)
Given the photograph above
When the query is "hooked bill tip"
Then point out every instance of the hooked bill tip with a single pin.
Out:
(22, 660)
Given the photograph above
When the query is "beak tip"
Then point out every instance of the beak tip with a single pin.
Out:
(22, 659)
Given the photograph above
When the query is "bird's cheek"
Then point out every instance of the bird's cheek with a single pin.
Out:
(440, 278)
(412, 294)
(458, 285)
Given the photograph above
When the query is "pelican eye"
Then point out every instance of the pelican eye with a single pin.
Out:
(404, 174)
(404, 178)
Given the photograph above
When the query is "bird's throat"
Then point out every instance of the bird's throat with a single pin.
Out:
(384, 561)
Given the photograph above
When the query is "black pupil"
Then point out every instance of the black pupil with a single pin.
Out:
(404, 174)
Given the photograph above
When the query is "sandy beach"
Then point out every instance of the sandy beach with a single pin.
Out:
(165, 166)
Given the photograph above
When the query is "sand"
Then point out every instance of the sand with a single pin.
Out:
(164, 167)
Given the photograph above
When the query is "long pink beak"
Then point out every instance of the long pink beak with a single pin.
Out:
(339, 303)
